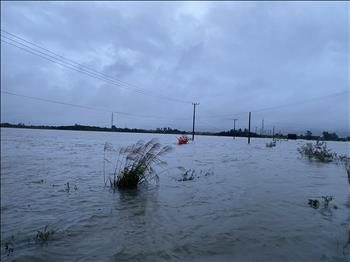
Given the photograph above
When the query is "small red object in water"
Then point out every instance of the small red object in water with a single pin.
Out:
(182, 140)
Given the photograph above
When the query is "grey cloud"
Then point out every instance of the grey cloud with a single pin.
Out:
(230, 56)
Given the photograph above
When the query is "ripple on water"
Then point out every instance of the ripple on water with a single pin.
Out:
(253, 207)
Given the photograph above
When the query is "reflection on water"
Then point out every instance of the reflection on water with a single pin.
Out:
(252, 207)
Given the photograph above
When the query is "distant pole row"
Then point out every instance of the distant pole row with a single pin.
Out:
(234, 127)
(194, 118)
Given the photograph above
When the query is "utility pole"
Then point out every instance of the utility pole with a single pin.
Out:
(194, 118)
(234, 127)
(262, 127)
(112, 121)
(273, 132)
(249, 128)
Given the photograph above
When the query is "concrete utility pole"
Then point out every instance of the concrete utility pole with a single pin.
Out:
(262, 127)
(112, 121)
(273, 132)
(249, 128)
(234, 127)
(194, 118)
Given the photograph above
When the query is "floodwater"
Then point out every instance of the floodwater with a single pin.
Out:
(249, 203)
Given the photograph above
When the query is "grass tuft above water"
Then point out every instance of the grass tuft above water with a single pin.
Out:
(43, 235)
(137, 164)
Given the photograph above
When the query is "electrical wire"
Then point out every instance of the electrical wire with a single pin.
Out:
(71, 64)
(88, 107)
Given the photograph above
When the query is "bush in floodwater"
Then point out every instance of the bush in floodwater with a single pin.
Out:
(314, 203)
(135, 164)
(9, 245)
(327, 200)
(318, 151)
(271, 144)
(188, 175)
(43, 236)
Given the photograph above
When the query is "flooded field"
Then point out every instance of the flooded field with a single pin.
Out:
(245, 203)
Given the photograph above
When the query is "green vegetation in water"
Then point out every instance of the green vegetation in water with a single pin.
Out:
(188, 175)
(191, 174)
(327, 200)
(347, 244)
(271, 144)
(315, 203)
(317, 151)
(136, 164)
(43, 236)
(9, 245)
(321, 153)
(345, 161)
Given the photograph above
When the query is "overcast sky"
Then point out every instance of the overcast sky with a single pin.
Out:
(231, 57)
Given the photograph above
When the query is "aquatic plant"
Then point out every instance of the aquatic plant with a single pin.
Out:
(136, 164)
(317, 151)
(188, 175)
(107, 147)
(345, 160)
(327, 200)
(43, 236)
(314, 203)
(9, 245)
(347, 243)
(271, 144)
(191, 174)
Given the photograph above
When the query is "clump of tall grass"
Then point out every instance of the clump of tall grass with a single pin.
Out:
(317, 151)
(137, 164)
(43, 235)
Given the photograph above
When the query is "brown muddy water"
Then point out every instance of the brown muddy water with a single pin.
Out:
(246, 202)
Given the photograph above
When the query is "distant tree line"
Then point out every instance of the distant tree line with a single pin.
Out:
(76, 127)
(327, 136)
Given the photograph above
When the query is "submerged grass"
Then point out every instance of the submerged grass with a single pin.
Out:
(315, 203)
(271, 144)
(321, 153)
(317, 151)
(9, 245)
(136, 164)
(43, 235)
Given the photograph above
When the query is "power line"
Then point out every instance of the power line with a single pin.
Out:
(278, 106)
(87, 107)
(73, 65)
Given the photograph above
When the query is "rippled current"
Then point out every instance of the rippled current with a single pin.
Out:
(249, 203)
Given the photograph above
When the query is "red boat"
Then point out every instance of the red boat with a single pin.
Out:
(182, 140)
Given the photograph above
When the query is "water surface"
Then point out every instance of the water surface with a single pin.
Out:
(248, 204)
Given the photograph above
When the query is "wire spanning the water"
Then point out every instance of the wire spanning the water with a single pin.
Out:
(53, 57)
(88, 107)
(229, 116)
(49, 55)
